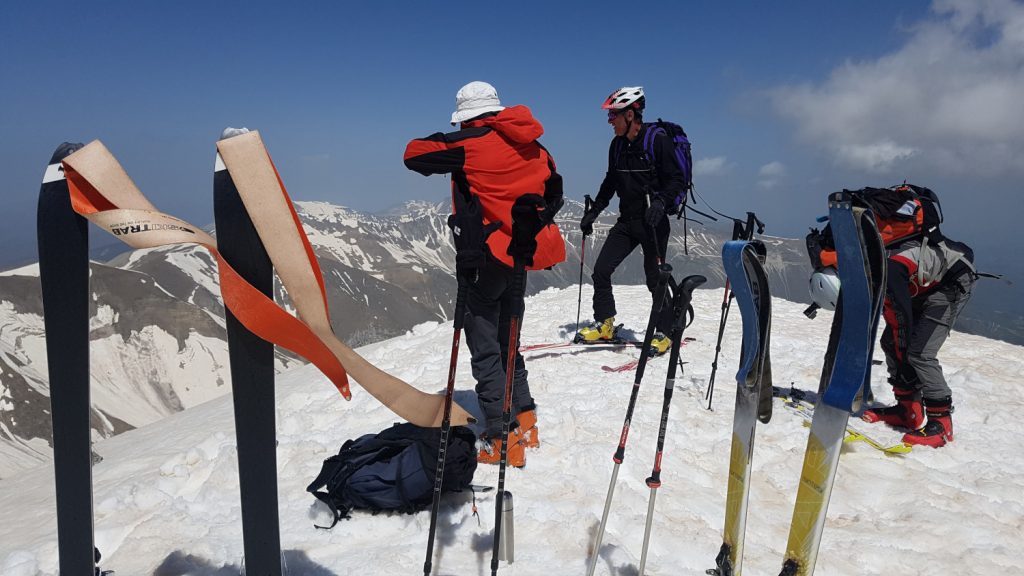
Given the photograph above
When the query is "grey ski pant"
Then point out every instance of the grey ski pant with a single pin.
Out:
(487, 324)
(934, 317)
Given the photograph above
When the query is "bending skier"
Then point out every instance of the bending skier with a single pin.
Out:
(494, 159)
(647, 189)
(928, 285)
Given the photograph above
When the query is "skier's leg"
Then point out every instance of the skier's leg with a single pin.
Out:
(654, 254)
(483, 307)
(938, 314)
(620, 243)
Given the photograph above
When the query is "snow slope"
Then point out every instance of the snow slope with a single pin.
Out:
(166, 494)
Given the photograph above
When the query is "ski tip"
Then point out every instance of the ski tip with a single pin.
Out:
(230, 132)
(64, 150)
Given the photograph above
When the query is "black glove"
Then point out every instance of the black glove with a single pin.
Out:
(527, 221)
(551, 208)
(470, 235)
(590, 216)
(655, 212)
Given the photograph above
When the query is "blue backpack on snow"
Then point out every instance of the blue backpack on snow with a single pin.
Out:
(393, 470)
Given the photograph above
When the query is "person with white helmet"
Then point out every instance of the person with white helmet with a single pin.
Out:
(646, 187)
(494, 159)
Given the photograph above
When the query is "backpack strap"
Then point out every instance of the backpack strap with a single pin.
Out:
(651, 130)
(337, 512)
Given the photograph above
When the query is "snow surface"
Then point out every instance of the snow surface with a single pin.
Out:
(166, 495)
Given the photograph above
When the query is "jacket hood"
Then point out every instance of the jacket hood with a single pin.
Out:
(515, 122)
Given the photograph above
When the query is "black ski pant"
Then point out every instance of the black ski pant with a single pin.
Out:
(934, 316)
(622, 239)
(487, 324)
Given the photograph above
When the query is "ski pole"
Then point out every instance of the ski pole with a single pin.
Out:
(654, 234)
(588, 203)
(442, 449)
(680, 303)
(726, 303)
(524, 217)
(620, 452)
(518, 280)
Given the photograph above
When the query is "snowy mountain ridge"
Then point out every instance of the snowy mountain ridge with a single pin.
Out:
(157, 332)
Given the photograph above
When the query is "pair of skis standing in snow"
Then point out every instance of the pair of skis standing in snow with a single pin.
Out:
(258, 233)
(846, 377)
(846, 373)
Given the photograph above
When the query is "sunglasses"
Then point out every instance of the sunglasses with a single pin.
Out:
(612, 114)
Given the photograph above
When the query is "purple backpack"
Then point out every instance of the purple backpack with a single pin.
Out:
(681, 154)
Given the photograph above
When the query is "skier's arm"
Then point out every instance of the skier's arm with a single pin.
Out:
(670, 177)
(607, 189)
(553, 193)
(440, 153)
(434, 155)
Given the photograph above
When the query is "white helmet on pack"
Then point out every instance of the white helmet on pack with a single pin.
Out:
(825, 288)
(625, 97)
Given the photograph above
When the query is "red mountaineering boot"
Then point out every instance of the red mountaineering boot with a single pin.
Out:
(907, 413)
(939, 429)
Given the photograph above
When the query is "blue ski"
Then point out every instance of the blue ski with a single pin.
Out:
(744, 268)
(861, 269)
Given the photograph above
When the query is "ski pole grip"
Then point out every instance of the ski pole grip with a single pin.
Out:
(688, 285)
(654, 481)
(460, 304)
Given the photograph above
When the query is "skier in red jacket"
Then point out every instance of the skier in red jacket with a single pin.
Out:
(494, 159)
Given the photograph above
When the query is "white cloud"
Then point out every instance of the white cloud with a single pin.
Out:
(772, 169)
(951, 96)
(770, 174)
(711, 166)
(879, 157)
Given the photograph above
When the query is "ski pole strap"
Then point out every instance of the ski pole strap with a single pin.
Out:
(102, 192)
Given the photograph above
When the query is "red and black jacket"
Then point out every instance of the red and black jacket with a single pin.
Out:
(497, 159)
(915, 270)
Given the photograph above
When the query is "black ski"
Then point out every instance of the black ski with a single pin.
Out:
(252, 383)
(64, 275)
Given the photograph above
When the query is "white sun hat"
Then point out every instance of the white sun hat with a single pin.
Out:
(474, 99)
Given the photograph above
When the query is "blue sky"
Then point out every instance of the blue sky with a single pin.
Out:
(784, 101)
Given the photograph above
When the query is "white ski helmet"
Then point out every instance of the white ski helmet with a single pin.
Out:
(625, 97)
(825, 288)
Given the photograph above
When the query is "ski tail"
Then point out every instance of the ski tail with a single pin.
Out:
(64, 276)
(252, 380)
(744, 268)
(850, 368)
